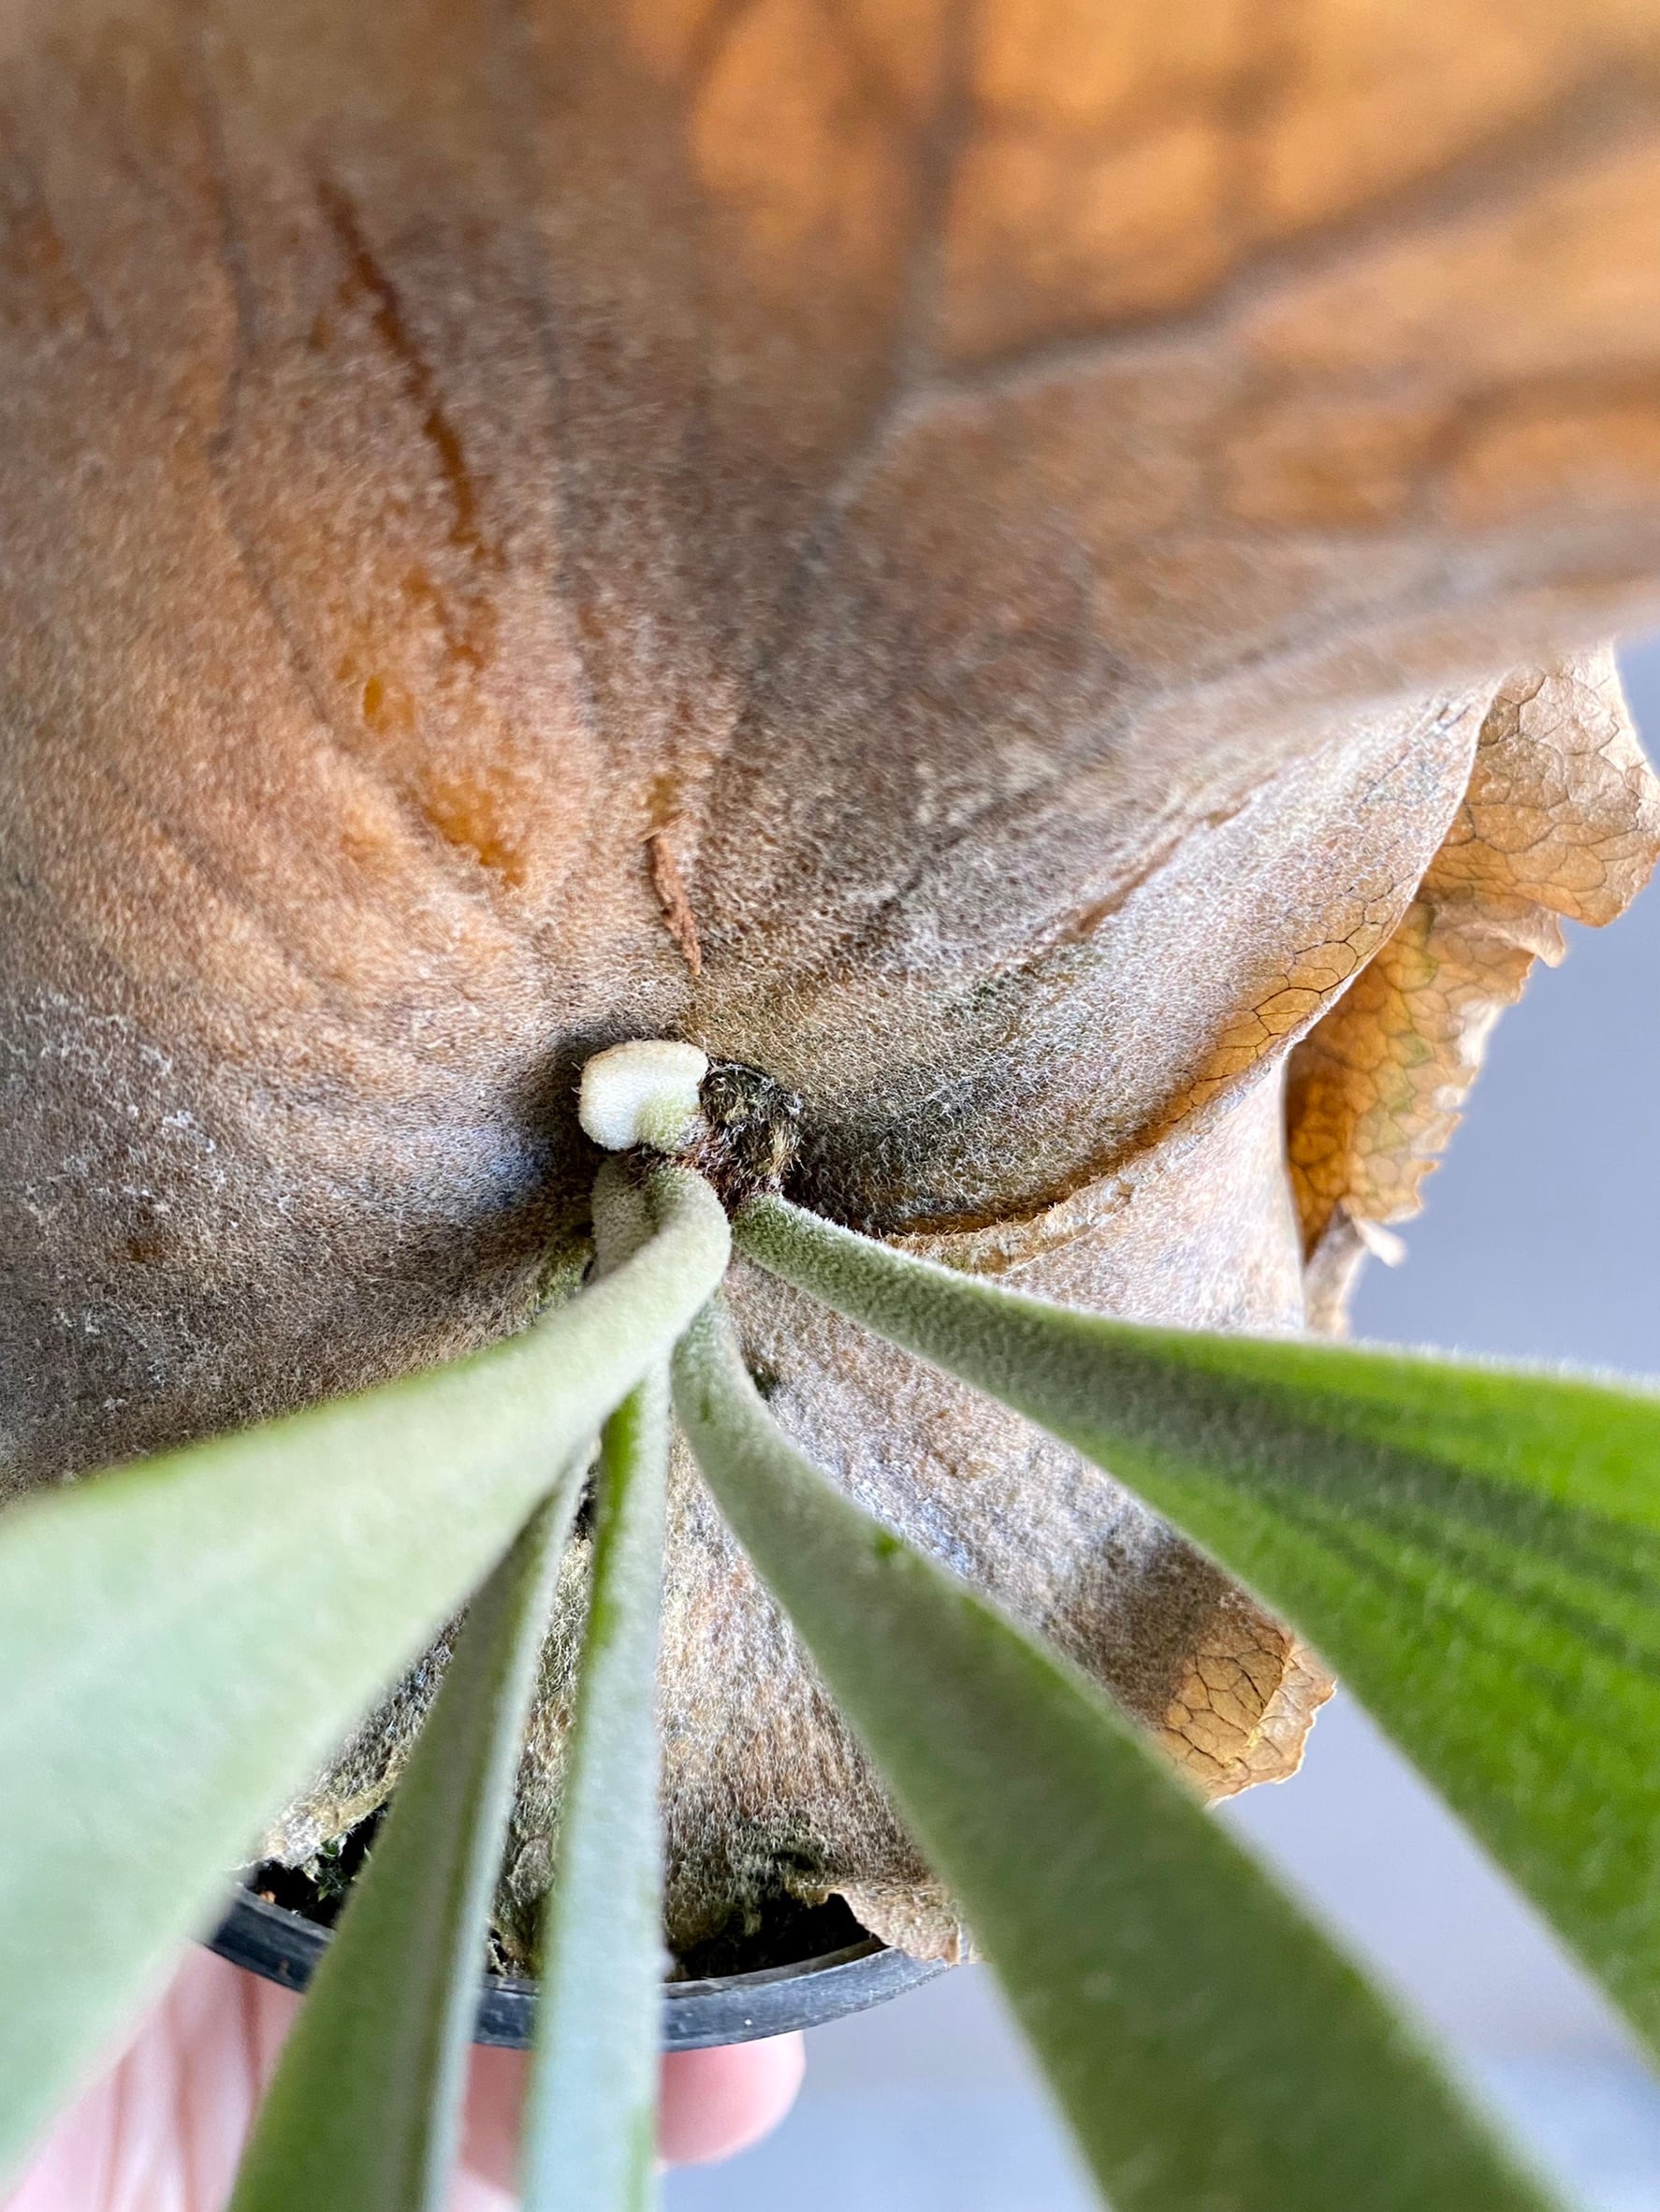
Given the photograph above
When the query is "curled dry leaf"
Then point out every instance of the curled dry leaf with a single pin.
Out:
(1562, 818)
(953, 557)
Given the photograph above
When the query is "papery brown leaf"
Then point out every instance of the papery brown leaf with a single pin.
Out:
(1562, 818)
(953, 557)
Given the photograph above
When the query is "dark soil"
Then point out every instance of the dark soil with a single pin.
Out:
(780, 1932)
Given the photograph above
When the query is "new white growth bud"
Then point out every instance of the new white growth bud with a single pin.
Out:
(643, 1093)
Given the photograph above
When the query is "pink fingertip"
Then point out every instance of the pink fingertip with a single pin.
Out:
(719, 2102)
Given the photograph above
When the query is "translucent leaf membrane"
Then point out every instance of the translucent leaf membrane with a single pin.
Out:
(1560, 821)
(363, 2115)
(1208, 2047)
(183, 1641)
(1476, 1549)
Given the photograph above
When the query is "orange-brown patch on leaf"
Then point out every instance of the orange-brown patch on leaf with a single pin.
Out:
(386, 706)
(469, 813)
(1328, 467)
(669, 887)
(1541, 459)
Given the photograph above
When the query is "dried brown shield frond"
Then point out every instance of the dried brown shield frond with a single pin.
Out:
(957, 557)
(1560, 819)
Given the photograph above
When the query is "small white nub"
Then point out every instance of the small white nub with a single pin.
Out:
(642, 1093)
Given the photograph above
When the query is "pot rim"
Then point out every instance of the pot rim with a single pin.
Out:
(284, 1946)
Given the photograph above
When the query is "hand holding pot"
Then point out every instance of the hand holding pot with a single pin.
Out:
(164, 2128)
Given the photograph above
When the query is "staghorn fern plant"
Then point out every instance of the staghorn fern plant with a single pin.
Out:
(1477, 1547)
(1027, 576)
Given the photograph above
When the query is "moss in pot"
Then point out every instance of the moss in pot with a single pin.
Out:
(526, 538)
(801, 1966)
(783, 1967)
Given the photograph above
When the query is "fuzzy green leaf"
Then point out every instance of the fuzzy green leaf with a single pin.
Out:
(364, 2112)
(1476, 1549)
(183, 1641)
(1208, 2045)
(592, 2127)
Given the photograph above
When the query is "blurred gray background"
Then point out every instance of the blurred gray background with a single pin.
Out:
(1541, 1238)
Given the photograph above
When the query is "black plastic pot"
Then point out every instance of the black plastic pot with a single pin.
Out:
(285, 1947)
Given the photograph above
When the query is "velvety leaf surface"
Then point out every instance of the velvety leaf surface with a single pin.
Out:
(591, 2129)
(842, 533)
(954, 554)
(1477, 1549)
(364, 2111)
(181, 1640)
(1207, 2044)
(951, 553)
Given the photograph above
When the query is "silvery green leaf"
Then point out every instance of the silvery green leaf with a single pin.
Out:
(363, 2113)
(183, 1641)
(1208, 2045)
(592, 2120)
(1475, 1547)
